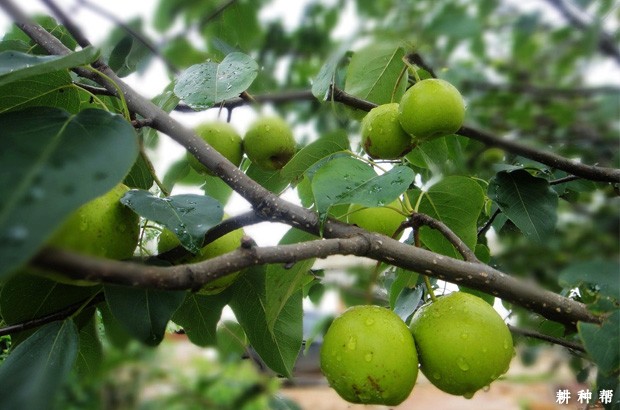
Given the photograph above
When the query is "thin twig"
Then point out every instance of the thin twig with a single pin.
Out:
(484, 228)
(218, 10)
(271, 98)
(52, 317)
(419, 219)
(544, 92)
(546, 338)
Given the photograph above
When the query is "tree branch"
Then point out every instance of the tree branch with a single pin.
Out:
(419, 219)
(590, 172)
(221, 229)
(606, 43)
(273, 208)
(555, 340)
(545, 92)
(362, 243)
(52, 317)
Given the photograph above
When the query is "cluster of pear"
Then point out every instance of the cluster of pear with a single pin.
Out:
(459, 342)
(429, 109)
(268, 143)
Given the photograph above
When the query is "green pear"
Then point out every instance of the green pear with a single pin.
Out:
(463, 343)
(431, 108)
(379, 219)
(368, 356)
(227, 243)
(224, 139)
(382, 135)
(103, 227)
(269, 143)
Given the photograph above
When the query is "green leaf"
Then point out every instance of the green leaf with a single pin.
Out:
(271, 180)
(278, 345)
(312, 153)
(431, 154)
(24, 297)
(457, 202)
(602, 341)
(184, 54)
(114, 333)
(407, 301)
(189, 216)
(282, 283)
(405, 279)
(243, 16)
(231, 341)
(90, 353)
(601, 275)
(143, 313)
(348, 180)
(16, 66)
(216, 188)
(35, 369)
(203, 85)
(324, 79)
(166, 12)
(199, 315)
(140, 176)
(529, 202)
(53, 89)
(124, 53)
(52, 163)
(374, 72)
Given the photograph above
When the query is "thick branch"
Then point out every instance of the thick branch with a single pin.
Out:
(271, 207)
(221, 229)
(192, 276)
(374, 246)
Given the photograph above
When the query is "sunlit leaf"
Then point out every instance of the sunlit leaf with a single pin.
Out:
(374, 73)
(203, 85)
(347, 180)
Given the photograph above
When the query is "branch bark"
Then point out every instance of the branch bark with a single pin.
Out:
(606, 43)
(340, 238)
